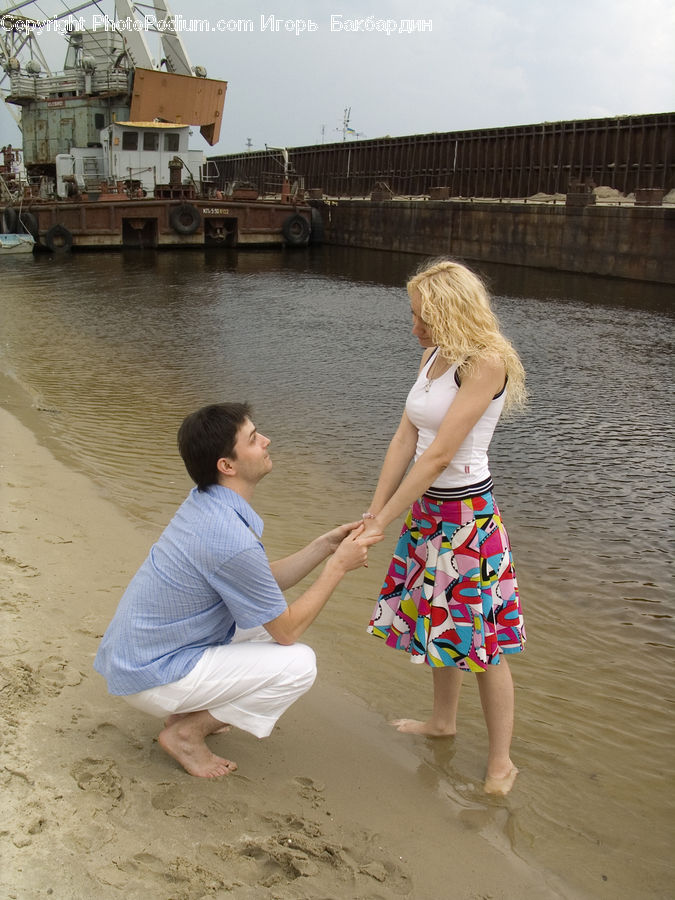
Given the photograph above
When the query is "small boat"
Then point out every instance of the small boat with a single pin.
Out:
(16, 243)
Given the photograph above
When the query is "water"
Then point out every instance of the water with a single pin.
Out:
(113, 350)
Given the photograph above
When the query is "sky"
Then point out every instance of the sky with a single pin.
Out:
(471, 64)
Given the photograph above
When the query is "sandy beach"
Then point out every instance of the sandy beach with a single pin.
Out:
(333, 805)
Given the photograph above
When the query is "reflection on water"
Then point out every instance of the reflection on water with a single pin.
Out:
(116, 348)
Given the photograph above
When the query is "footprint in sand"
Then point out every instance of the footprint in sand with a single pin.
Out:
(113, 739)
(23, 812)
(99, 776)
(311, 790)
(283, 850)
(295, 854)
(57, 673)
(171, 800)
(32, 827)
(187, 877)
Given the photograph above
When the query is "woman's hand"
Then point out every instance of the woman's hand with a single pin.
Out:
(372, 528)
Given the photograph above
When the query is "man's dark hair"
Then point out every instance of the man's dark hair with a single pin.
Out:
(206, 436)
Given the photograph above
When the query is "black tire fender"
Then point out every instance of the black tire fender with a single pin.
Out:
(10, 219)
(58, 239)
(317, 235)
(185, 219)
(296, 230)
(29, 223)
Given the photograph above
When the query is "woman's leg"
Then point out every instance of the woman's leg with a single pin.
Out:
(443, 721)
(495, 686)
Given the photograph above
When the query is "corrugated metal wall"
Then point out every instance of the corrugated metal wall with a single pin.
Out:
(625, 153)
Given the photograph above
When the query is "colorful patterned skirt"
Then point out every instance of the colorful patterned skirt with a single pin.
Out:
(450, 597)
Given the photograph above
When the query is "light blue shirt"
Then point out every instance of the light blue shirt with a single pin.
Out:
(207, 574)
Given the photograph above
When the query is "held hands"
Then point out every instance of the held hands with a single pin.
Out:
(372, 527)
(349, 543)
(335, 537)
(353, 550)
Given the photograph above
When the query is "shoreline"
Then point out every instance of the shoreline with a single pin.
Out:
(334, 803)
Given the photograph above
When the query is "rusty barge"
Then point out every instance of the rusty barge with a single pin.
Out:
(106, 161)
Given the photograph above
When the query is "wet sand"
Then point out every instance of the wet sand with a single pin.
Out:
(335, 804)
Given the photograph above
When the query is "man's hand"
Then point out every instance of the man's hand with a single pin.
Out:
(292, 569)
(333, 539)
(353, 550)
(351, 553)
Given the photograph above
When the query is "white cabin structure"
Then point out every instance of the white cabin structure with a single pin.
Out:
(136, 153)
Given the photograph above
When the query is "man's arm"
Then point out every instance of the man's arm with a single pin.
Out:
(352, 553)
(292, 569)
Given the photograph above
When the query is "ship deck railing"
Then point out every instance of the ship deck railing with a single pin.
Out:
(66, 84)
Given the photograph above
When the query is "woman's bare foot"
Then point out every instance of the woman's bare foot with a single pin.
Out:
(176, 717)
(430, 729)
(500, 784)
(183, 739)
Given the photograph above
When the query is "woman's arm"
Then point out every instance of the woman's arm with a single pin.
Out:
(399, 453)
(473, 398)
(396, 461)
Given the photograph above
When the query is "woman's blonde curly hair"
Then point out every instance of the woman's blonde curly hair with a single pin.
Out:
(456, 309)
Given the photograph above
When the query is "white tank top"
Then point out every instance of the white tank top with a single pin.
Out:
(426, 406)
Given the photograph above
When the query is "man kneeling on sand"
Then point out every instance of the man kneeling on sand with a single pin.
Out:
(203, 633)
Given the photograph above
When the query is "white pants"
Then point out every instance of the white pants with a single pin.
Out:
(248, 683)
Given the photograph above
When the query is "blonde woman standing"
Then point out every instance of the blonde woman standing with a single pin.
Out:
(450, 598)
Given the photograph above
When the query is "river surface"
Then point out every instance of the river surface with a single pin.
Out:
(113, 349)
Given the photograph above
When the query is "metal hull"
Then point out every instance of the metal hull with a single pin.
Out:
(156, 223)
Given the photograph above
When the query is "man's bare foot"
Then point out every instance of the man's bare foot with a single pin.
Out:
(413, 726)
(500, 784)
(186, 745)
(176, 717)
